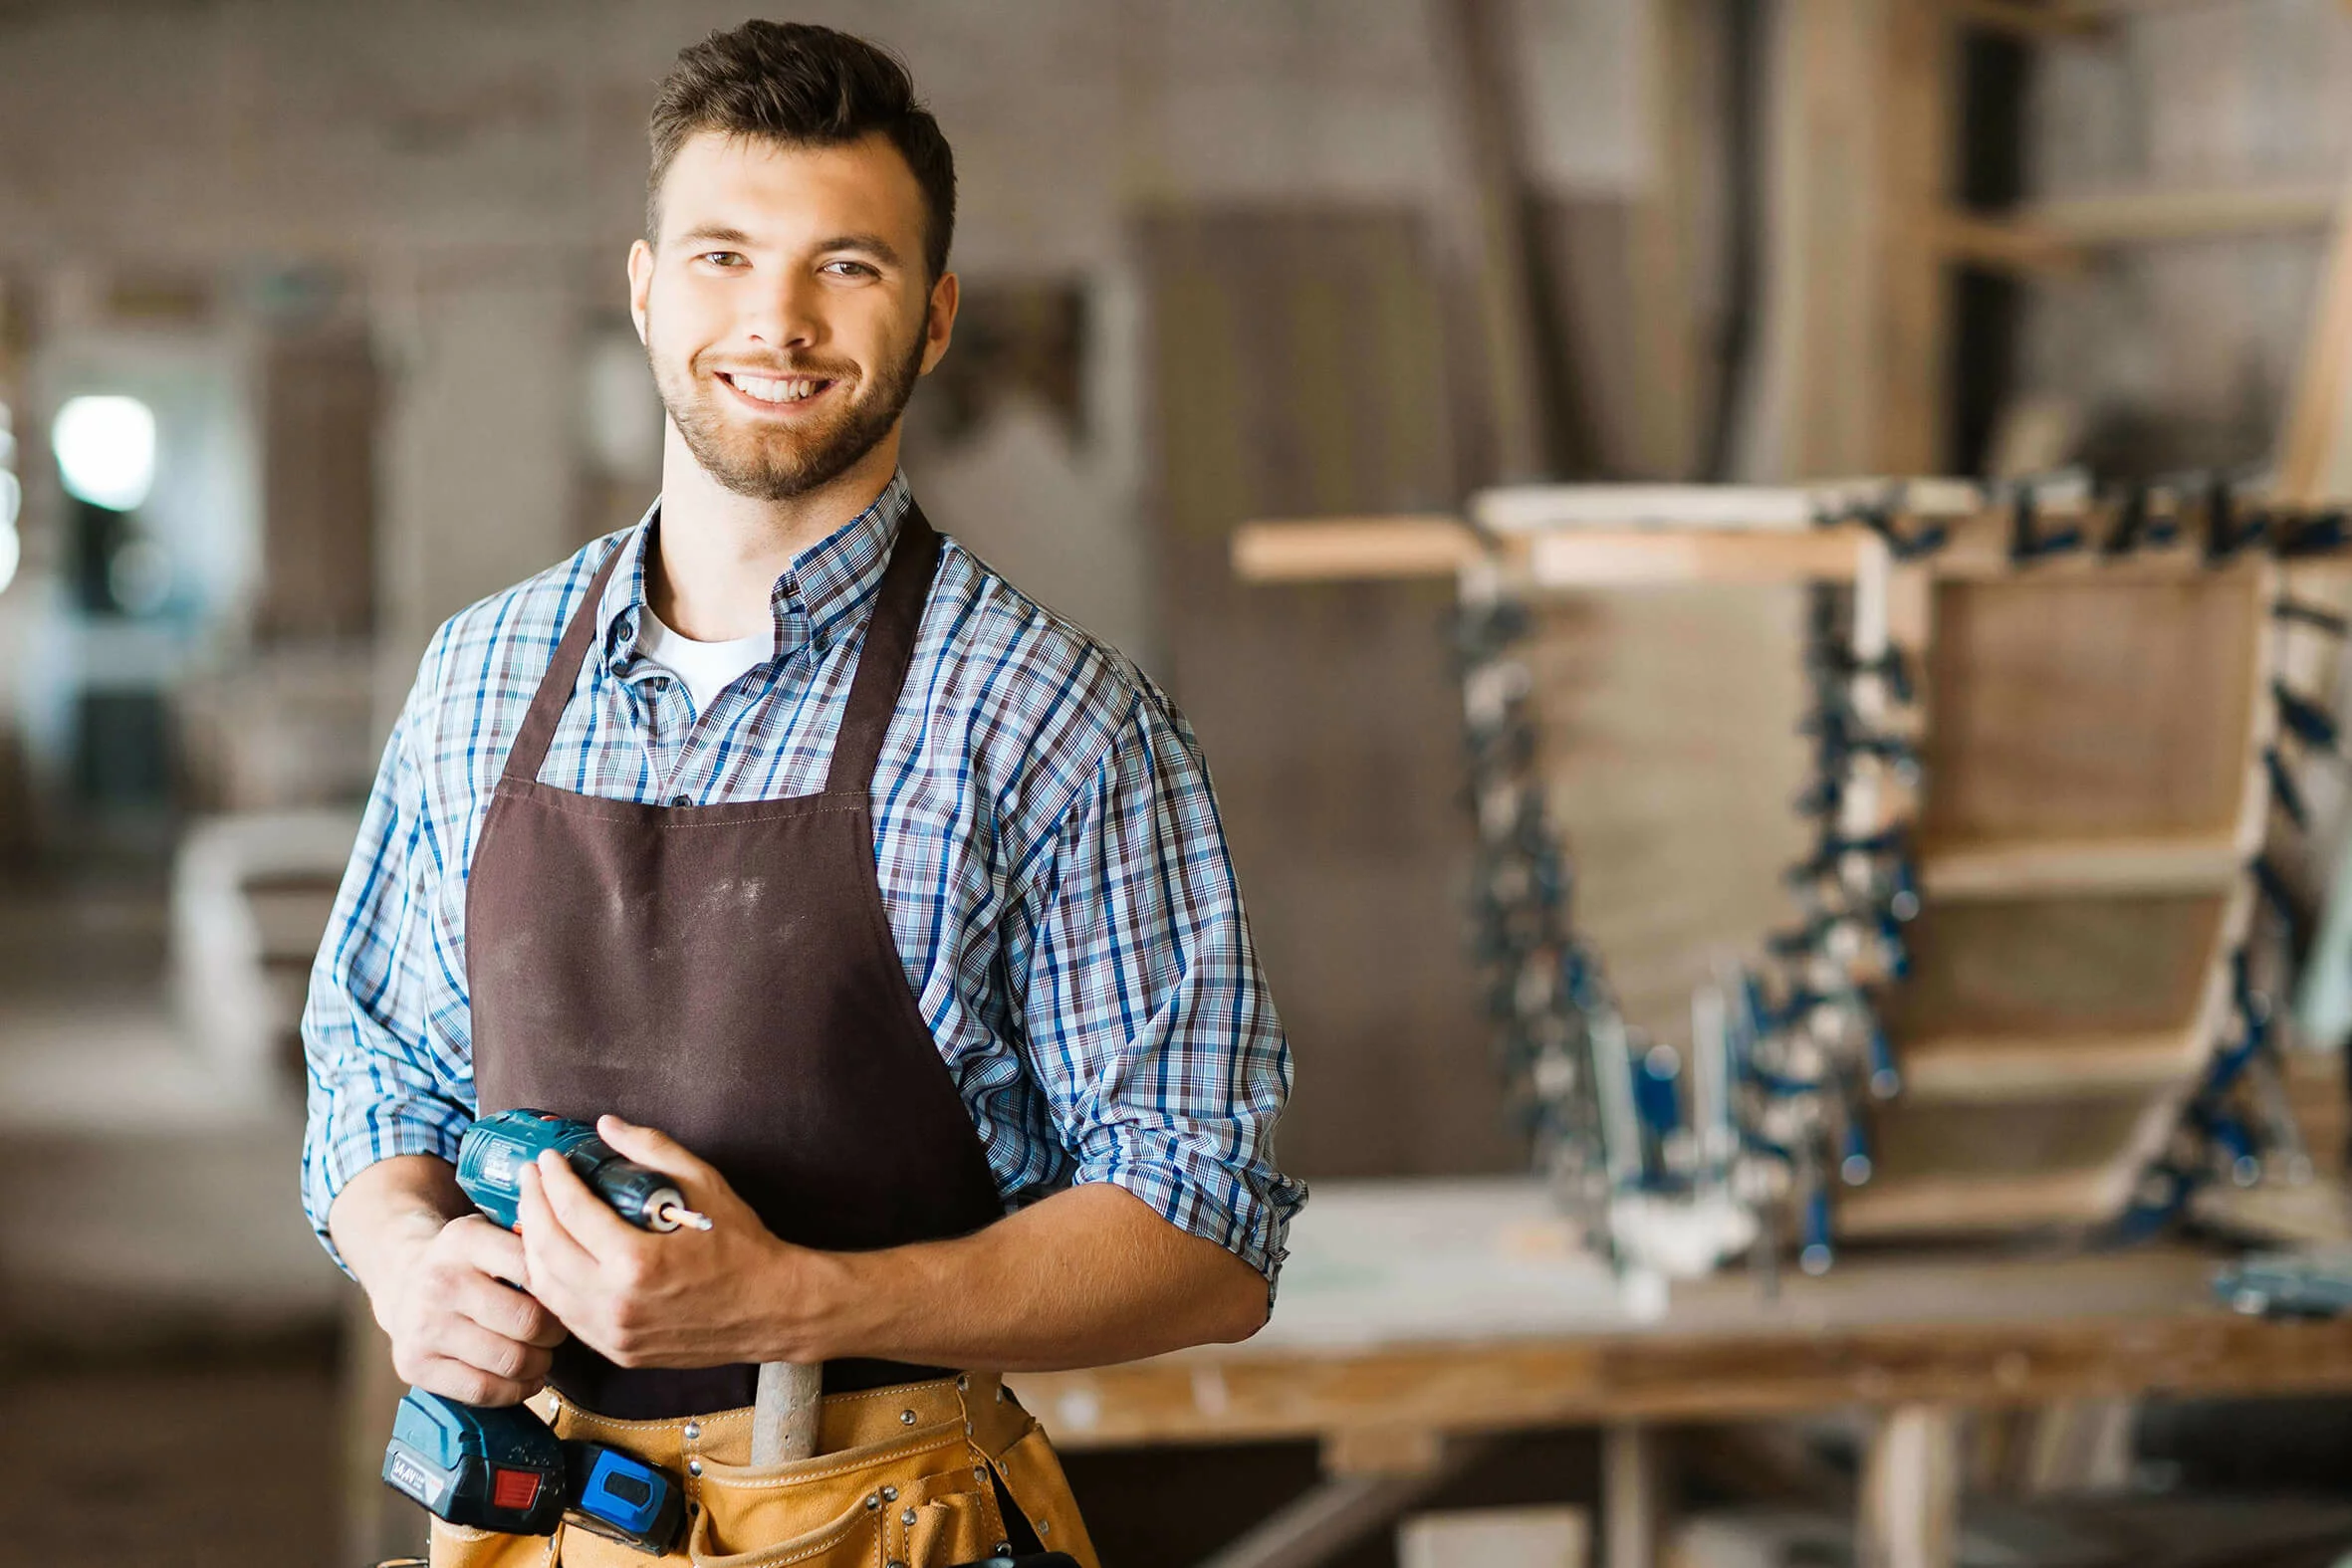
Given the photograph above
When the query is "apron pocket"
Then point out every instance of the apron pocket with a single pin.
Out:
(761, 1517)
(851, 1539)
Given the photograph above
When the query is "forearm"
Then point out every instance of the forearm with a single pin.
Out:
(1087, 1277)
(388, 1212)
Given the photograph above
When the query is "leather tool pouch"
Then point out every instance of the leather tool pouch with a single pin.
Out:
(903, 1475)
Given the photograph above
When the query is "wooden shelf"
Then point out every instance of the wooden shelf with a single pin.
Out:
(2008, 1068)
(2206, 862)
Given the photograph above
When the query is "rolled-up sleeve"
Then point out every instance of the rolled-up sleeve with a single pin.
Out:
(1147, 1014)
(381, 990)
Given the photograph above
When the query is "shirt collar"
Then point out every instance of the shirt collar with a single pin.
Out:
(821, 596)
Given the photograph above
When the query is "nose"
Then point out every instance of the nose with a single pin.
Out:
(788, 314)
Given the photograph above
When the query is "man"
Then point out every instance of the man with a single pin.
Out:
(891, 913)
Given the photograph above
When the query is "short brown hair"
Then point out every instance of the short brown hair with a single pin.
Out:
(803, 86)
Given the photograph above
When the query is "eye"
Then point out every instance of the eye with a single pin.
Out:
(722, 258)
(850, 269)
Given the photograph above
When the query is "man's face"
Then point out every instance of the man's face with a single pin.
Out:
(784, 309)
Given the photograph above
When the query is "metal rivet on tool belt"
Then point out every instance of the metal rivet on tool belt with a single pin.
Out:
(1004, 1548)
(963, 1380)
(694, 1466)
(906, 1418)
(873, 1501)
(889, 1494)
(1044, 1526)
(907, 1517)
(693, 1431)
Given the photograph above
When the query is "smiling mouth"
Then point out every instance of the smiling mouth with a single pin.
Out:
(776, 392)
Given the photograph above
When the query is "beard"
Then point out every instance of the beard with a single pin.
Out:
(778, 462)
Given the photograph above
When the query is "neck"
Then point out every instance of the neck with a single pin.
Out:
(720, 553)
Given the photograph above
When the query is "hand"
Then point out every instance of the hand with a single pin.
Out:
(687, 1299)
(459, 1327)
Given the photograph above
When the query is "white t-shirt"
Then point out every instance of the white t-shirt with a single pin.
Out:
(707, 668)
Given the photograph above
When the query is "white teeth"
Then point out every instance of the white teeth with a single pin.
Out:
(769, 391)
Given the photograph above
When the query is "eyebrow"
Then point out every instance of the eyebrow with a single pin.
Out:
(873, 244)
(713, 233)
(720, 234)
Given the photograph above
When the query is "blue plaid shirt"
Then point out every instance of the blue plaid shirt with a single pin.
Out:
(1049, 851)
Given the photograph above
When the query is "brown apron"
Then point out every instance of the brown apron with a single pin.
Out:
(727, 973)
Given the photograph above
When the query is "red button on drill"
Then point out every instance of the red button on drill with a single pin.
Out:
(515, 1489)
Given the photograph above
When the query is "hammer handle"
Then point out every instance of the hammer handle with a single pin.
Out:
(785, 1412)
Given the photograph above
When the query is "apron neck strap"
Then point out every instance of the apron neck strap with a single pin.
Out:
(889, 648)
(874, 692)
(523, 758)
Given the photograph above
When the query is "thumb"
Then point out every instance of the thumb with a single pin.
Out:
(656, 1149)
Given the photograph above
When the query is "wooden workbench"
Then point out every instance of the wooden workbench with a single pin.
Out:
(1417, 1317)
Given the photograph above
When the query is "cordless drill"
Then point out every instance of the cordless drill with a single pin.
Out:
(501, 1468)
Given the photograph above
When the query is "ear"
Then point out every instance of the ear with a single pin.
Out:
(940, 325)
(640, 283)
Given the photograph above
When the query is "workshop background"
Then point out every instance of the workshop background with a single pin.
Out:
(312, 330)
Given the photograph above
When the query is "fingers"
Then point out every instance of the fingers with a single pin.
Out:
(556, 1263)
(508, 1312)
(495, 1251)
(656, 1149)
(588, 1219)
(508, 1360)
(468, 1385)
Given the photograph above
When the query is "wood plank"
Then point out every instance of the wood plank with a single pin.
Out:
(1793, 509)
(1998, 1068)
(2141, 217)
(1343, 549)
(2073, 707)
(1669, 752)
(2039, 967)
(2003, 868)
(1632, 559)
(1958, 1205)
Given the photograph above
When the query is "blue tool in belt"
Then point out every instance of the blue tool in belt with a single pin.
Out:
(501, 1468)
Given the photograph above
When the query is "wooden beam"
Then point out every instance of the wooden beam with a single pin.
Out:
(1331, 550)
(2151, 216)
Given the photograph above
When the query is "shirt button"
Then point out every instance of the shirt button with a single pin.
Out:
(681, 800)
